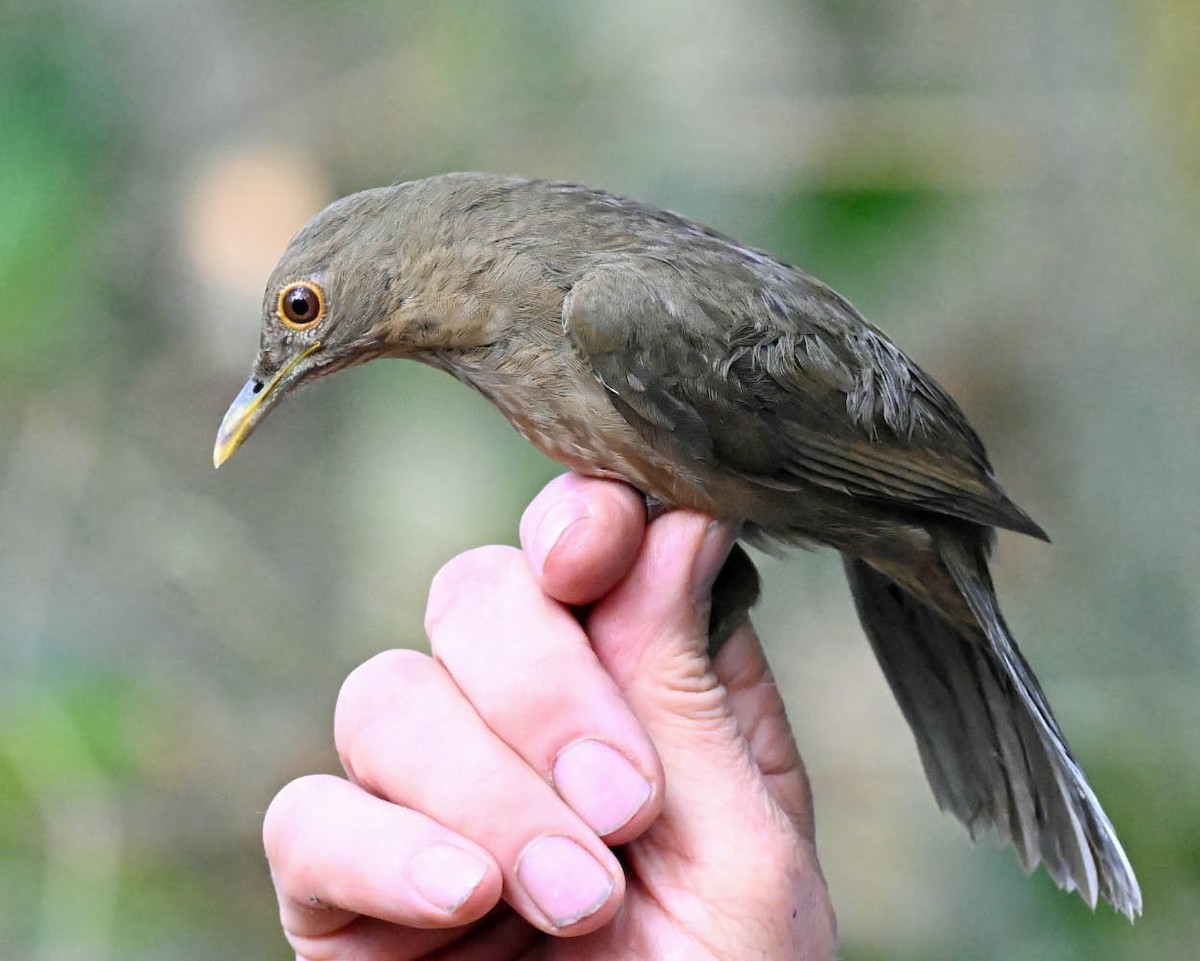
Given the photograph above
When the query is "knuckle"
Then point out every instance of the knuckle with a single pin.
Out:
(384, 670)
(376, 688)
(285, 818)
(471, 575)
(522, 699)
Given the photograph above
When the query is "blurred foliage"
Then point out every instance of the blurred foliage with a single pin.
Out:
(1010, 189)
(61, 114)
(871, 237)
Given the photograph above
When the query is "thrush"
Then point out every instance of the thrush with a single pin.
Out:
(629, 342)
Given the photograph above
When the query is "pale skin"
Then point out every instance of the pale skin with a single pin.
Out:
(487, 784)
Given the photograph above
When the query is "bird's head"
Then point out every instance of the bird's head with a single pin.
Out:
(329, 304)
(421, 269)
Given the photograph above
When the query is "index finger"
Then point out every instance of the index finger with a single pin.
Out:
(581, 536)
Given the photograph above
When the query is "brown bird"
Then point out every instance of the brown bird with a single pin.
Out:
(629, 342)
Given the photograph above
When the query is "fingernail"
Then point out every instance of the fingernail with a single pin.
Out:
(446, 876)
(600, 783)
(564, 881)
(718, 542)
(553, 525)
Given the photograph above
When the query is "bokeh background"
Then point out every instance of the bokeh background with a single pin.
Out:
(1012, 189)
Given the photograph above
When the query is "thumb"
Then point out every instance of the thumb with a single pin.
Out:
(730, 765)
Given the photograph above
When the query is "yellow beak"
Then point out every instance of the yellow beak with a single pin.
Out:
(249, 407)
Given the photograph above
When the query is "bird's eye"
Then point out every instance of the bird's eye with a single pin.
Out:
(301, 305)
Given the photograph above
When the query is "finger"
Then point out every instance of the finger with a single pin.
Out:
(650, 633)
(741, 668)
(719, 811)
(336, 852)
(581, 534)
(406, 733)
(369, 939)
(526, 666)
(501, 936)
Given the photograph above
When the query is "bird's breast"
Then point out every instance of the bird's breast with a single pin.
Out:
(563, 410)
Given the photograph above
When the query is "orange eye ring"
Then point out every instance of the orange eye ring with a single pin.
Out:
(300, 305)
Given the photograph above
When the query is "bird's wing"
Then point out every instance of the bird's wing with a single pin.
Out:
(777, 378)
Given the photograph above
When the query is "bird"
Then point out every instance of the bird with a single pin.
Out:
(629, 342)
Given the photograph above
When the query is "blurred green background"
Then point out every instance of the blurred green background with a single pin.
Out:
(1011, 189)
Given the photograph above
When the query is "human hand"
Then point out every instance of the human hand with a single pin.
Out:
(487, 783)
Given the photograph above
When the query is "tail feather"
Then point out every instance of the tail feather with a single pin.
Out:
(991, 748)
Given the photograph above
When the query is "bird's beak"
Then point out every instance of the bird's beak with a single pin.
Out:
(251, 405)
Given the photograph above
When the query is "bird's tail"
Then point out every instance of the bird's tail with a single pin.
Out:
(993, 753)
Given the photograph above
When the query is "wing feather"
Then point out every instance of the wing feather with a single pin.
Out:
(789, 388)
